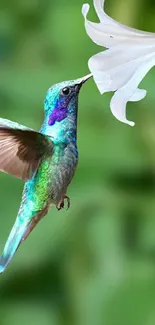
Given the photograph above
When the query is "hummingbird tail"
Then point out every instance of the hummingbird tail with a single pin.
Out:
(18, 234)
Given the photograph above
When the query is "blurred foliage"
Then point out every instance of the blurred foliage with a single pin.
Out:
(93, 264)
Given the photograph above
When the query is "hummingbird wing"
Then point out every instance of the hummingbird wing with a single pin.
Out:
(21, 149)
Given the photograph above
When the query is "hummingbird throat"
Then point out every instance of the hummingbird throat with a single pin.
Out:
(57, 116)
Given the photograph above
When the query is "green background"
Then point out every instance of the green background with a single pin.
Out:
(93, 264)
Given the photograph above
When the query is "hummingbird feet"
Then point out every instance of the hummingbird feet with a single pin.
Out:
(61, 205)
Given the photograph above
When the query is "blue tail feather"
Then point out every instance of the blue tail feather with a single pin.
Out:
(16, 235)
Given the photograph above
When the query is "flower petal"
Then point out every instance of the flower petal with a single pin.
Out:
(112, 69)
(118, 108)
(129, 92)
(109, 33)
(138, 95)
(130, 55)
(104, 18)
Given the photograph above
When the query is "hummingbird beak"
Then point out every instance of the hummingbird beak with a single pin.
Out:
(81, 81)
(84, 79)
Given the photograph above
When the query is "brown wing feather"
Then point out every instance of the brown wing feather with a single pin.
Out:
(21, 151)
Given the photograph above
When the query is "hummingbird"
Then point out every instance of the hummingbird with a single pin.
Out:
(45, 160)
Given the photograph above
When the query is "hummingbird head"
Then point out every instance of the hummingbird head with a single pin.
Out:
(61, 101)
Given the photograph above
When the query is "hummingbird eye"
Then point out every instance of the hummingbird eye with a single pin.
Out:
(66, 91)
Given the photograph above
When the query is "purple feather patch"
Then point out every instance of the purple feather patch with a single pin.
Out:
(57, 116)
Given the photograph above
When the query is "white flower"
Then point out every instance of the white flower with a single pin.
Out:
(120, 68)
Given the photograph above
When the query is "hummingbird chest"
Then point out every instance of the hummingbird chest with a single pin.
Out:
(50, 183)
(63, 166)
